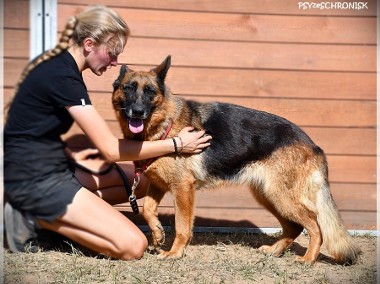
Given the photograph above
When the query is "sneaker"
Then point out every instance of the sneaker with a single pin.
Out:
(20, 231)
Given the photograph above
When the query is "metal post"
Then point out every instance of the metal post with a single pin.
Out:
(43, 26)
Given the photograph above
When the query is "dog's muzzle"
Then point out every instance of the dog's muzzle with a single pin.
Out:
(135, 117)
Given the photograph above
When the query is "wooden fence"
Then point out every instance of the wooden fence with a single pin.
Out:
(314, 67)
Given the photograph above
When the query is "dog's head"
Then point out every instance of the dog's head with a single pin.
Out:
(137, 93)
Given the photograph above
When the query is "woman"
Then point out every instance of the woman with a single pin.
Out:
(41, 188)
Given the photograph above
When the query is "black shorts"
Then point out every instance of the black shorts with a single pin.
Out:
(45, 198)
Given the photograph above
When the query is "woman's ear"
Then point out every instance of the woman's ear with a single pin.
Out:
(88, 44)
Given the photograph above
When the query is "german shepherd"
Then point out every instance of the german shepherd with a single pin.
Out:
(284, 170)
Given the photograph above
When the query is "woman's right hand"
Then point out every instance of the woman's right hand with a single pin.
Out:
(192, 142)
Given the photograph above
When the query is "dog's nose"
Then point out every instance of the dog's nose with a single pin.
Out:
(138, 111)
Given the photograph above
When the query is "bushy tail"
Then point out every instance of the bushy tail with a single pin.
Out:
(339, 242)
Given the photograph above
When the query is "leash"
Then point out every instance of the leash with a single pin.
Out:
(130, 193)
(139, 170)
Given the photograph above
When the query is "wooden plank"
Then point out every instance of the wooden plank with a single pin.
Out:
(346, 196)
(16, 43)
(226, 6)
(253, 83)
(310, 112)
(12, 70)
(354, 169)
(305, 113)
(262, 83)
(223, 54)
(351, 141)
(281, 56)
(241, 27)
(16, 14)
(7, 95)
(238, 82)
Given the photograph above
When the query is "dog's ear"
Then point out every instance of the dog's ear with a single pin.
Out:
(163, 68)
(124, 68)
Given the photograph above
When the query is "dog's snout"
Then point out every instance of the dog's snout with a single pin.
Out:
(138, 110)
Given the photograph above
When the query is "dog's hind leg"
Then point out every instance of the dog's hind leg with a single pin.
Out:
(184, 195)
(150, 213)
(290, 231)
(301, 218)
(293, 219)
(309, 221)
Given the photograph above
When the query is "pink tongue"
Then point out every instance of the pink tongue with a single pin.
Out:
(136, 125)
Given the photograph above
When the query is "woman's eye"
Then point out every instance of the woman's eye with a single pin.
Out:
(112, 55)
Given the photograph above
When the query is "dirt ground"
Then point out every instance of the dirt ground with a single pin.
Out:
(210, 258)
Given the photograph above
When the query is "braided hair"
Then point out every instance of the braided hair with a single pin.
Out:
(100, 23)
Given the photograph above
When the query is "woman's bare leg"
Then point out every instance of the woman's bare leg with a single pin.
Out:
(94, 223)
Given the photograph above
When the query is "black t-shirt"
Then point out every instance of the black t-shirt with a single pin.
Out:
(37, 118)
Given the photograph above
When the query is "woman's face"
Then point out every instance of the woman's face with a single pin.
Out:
(100, 58)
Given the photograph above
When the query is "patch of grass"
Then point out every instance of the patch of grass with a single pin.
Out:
(210, 258)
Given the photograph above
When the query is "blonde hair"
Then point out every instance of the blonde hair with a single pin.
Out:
(100, 23)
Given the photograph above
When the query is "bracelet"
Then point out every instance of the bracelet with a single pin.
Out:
(175, 145)
(180, 139)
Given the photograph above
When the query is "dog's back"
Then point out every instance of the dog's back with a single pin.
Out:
(242, 136)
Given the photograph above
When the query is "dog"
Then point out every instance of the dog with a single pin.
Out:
(283, 168)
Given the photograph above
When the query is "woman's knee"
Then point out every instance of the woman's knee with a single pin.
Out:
(132, 247)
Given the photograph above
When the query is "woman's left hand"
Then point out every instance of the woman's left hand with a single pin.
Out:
(84, 154)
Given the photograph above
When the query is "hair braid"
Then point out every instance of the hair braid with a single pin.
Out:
(59, 48)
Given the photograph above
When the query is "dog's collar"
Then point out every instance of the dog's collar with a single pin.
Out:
(167, 130)
(167, 126)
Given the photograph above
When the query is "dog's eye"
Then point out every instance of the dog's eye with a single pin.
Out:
(149, 90)
(129, 88)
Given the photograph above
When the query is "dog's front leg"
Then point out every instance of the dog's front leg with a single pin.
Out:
(184, 216)
(150, 213)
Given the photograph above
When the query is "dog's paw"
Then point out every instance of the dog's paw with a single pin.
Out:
(169, 255)
(265, 249)
(304, 260)
(158, 236)
(270, 250)
(154, 250)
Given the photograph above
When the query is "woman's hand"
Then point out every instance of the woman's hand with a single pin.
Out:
(89, 160)
(82, 155)
(191, 142)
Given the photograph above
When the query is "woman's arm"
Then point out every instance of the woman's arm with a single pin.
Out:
(114, 149)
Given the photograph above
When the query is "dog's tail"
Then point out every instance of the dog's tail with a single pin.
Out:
(338, 241)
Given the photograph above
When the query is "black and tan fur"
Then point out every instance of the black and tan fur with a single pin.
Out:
(285, 171)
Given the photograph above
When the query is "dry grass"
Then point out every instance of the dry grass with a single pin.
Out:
(210, 258)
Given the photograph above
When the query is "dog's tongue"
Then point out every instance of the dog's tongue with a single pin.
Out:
(136, 125)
